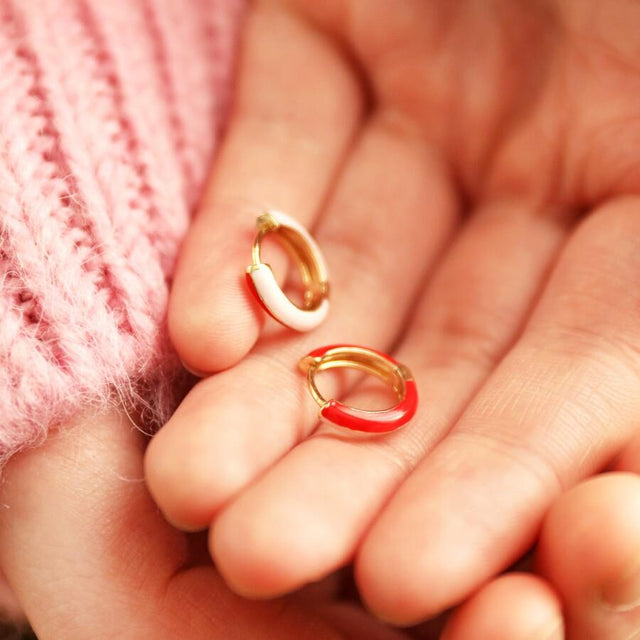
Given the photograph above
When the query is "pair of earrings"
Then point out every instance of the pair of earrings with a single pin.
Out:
(315, 306)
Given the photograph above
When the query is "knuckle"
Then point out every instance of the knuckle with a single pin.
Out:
(462, 338)
(520, 453)
(593, 343)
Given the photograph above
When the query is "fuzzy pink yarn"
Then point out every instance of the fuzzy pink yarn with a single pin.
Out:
(109, 113)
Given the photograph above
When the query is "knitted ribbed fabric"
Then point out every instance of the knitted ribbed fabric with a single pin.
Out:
(109, 113)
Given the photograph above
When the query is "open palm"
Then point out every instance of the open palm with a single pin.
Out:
(470, 170)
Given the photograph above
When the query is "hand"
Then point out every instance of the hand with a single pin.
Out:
(470, 170)
(89, 556)
(587, 558)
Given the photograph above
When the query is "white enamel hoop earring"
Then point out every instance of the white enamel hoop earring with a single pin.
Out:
(305, 252)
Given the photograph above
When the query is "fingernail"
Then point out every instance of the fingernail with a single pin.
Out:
(623, 595)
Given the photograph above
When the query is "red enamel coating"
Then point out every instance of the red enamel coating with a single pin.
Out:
(373, 421)
(254, 292)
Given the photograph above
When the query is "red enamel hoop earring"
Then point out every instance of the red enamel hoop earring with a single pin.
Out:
(305, 252)
(375, 362)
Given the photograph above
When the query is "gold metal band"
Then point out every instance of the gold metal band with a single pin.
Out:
(311, 267)
(392, 373)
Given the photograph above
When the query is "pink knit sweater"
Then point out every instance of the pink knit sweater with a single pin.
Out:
(109, 113)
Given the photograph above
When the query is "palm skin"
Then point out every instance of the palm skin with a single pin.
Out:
(494, 142)
(491, 143)
(470, 171)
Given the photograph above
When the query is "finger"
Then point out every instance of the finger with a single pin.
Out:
(560, 405)
(88, 555)
(589, 549)
(575, 529)
(296, 109)
(463, 326)
(388, 220)
(10, 609)
(511, 607)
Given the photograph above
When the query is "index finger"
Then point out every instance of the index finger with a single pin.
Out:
(297, 108)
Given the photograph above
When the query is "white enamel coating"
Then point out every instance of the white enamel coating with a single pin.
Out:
(280, 306)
